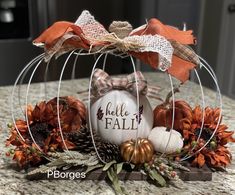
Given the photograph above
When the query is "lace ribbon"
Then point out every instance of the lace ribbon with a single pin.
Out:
(95, 32)
(156, 44)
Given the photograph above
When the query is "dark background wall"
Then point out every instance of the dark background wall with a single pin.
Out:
(17, 51)
(43, 13)
(212, 22)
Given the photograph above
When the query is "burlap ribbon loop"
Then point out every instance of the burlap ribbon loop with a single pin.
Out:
(102, 83)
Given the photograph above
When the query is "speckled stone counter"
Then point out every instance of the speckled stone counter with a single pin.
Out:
(13, 182)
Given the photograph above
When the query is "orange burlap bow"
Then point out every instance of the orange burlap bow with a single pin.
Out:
(65, 36)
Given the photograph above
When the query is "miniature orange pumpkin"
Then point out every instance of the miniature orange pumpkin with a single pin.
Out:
(142, 153)
(163, 114)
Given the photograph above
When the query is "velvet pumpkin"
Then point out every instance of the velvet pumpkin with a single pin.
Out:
(163, 114)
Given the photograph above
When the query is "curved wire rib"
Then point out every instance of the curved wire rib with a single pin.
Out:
(89, 107)
(45, 79)
(220, 115)
(138, 106)
(73, 73)
(57, 102)
(212, 71)
(21, 82)
(209, 67)
(74, 64)
(22, 77)
(26, 114)
(26, 103)
(173, 115)
(105, 59)
(203, 114)
(31, 63)
(26, 68)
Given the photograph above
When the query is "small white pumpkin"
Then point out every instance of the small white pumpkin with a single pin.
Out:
(114, 118)
(159, 137)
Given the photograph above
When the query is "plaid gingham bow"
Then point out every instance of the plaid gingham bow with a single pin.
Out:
(103, 83)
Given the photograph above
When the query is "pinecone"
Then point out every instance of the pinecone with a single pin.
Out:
(109, 152)
(83, 141)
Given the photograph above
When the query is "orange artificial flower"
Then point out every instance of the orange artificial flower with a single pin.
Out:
(215, 153)
(43, 124)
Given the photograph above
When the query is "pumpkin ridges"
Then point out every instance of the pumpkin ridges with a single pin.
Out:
(159, 117)
(149, 148)
(127, 151)
(135, 158)
(141, 154)
(142, 159)
(163, 114)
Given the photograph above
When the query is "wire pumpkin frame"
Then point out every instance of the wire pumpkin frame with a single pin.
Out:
(37, 61)
(160, 46)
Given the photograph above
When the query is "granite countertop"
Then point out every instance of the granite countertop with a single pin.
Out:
(13, 182)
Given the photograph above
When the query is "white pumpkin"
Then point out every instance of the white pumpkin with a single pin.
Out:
(114, 117)
(159, 137)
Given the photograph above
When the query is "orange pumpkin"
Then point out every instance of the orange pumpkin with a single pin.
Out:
(139, 155)
(163, 114)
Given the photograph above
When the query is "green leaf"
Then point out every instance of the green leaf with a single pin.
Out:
(110, 175)
(91, 168)
(108, 165)
(115, 181)
(157, 177)
(150, 176)
(117, 188)
(119, 167)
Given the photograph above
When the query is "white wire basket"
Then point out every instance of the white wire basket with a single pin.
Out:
(33, 66)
